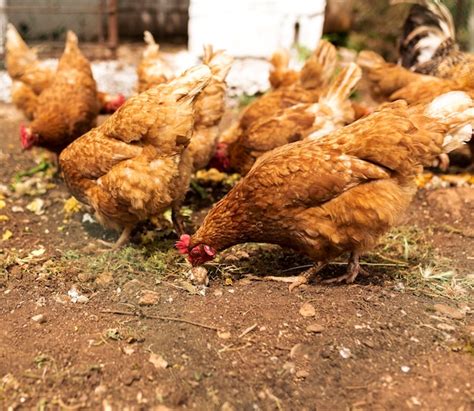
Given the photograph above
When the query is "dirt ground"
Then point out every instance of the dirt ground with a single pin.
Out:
(82, 328)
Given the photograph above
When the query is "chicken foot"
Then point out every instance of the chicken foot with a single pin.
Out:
(353, 270)
(122, 240)
(295, 281)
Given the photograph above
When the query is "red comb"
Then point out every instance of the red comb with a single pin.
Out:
(183, 244)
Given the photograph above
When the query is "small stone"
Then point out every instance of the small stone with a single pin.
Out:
(449, 311)
(218, 293)
(40, 318)
(368, 343)
(302, 374)
(345, 353)
(100, 389)
(289, 366)
(315, 328)
(307, 310)
(223, 334)
(405, 368)
(148, 297)
(158, 361)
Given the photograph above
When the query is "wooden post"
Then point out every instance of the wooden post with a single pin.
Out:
(112, 23)
(101, 34)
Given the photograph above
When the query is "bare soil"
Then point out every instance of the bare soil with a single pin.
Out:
(380, 343)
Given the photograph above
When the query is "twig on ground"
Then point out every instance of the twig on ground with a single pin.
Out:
(161, 318)
(247, 330)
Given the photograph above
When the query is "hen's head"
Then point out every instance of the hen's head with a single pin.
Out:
(221, 160)
(27, 137)
(197, 255)
(112, 103)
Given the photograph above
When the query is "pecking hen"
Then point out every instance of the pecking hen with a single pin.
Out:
(127, 169)
(339, 193)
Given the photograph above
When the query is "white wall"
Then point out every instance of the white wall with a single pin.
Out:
(254, 28)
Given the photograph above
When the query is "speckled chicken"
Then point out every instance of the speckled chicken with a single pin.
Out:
(428, 43)
(127, 169)
(152, 69)
(69, 107)
(336, 194)
(332, 111)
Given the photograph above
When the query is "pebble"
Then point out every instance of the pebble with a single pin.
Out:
(449, 311)
(148, 297)
(315, 328)
(302, 374)
(158, 361)
(40, 318)
(307, 310)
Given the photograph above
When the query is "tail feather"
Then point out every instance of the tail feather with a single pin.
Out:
(71, 42)
(149, 39)
(428, 26)
(342, 86)
(280, 59)
(455, 110)
(14, 40)
(152, 47)
(191, 82)
(319, 68)
(218, 61)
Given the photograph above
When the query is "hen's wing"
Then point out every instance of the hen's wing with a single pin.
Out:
(161, 116)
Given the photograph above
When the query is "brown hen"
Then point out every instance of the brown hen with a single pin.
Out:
(30, 77)
(339, 193)
(69, 107)
(127, 169)
(152, 69)
(312, 81)
(332, 111)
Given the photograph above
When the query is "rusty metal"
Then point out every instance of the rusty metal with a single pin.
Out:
(112, 23)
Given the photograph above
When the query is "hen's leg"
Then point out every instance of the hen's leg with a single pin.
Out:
(295, 281)
(177, 219)
(353, 270)
(122, 240)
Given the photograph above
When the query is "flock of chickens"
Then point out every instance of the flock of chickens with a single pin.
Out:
(322, 174)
